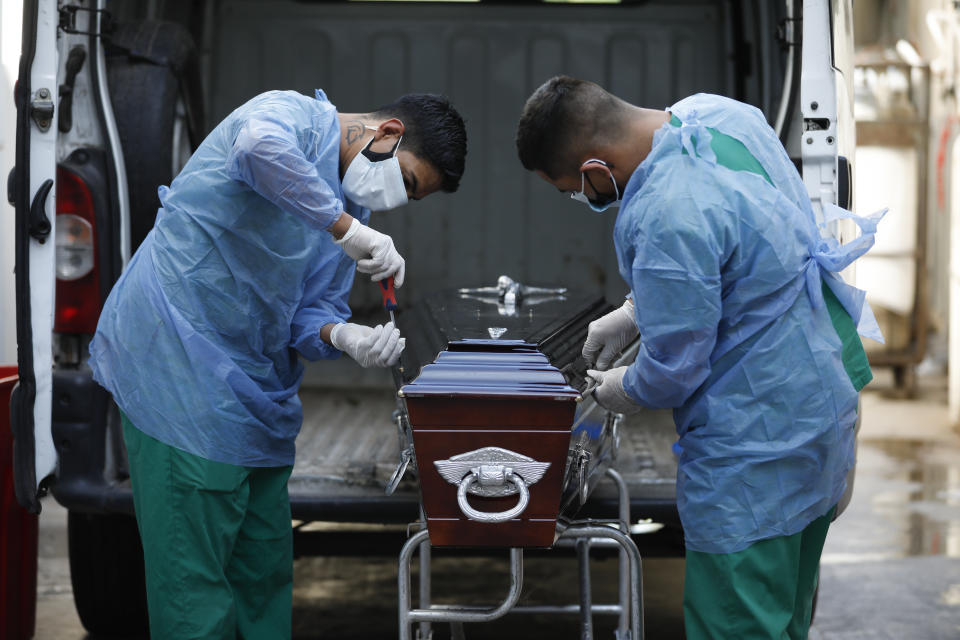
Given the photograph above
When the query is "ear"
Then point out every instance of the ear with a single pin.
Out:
(597, 174)
(598, 177)
(389, 128)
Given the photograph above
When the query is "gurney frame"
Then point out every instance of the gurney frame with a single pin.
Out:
(582, 535)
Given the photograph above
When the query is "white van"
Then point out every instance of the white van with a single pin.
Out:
(113, 96)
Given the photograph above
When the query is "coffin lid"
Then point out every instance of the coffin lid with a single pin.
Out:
(483, 368)
(476, 342)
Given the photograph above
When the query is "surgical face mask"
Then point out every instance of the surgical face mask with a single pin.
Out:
(374, 180)
(597, 205)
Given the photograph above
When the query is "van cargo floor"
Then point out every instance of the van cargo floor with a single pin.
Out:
(348, 449)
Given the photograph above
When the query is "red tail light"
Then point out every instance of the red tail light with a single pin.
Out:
(78, 274)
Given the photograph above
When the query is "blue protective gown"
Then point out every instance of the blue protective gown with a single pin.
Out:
(726, 269)
(199, 339)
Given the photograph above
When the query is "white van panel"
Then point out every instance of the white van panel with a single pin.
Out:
(43, 163)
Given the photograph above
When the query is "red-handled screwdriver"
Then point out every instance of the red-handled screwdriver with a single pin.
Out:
(389, 297)
(390, 303)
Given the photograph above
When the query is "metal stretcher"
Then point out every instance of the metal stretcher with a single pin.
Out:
(506, 448)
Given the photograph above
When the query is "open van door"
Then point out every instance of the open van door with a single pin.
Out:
(33, 182)
(828, 141)
(826, 104)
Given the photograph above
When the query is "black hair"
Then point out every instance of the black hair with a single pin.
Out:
(433, 131)
(560, 120)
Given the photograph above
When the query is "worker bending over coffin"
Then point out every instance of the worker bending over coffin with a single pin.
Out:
(747, 332)
(248, 267)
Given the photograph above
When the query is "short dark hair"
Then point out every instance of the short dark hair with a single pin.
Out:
(561, 119)
(433, 131)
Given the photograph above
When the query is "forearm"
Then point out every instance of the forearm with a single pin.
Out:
(339, 228)
(326, 330)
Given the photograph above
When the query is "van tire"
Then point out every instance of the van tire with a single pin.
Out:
(106, 571)
(153, 67)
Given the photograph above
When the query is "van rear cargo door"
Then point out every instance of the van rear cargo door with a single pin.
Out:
(34, 192)
(821, 90)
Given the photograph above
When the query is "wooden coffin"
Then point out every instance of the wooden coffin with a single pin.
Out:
(491, 399)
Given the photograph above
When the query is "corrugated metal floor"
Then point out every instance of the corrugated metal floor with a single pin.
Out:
(347, 436)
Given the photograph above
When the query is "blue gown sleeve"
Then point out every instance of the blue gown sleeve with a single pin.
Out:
(676, 287)
(325, 302)
(266, 155)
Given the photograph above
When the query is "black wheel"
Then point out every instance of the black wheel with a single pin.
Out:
(154, 78)
(106, 570)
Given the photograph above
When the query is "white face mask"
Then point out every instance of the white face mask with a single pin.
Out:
(581, 196)
(375, 184)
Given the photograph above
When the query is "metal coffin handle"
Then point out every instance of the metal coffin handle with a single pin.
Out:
(492, 516)
(491, 472)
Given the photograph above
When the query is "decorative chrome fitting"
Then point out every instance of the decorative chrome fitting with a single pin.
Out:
(491, 472)
(490, 465)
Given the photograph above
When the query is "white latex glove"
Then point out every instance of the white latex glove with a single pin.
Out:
(374, 253)
(378, 346)
(608, 335)
(609, 393)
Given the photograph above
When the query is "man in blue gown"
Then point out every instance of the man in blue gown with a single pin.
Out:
(247, 269)
(747, 332)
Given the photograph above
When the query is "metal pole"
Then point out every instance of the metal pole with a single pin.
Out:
(463, 614)
(586, 597)
(568, 609)
(407, 615)
(636, 568)
(426, 630)
(403, 581)
(623, 577)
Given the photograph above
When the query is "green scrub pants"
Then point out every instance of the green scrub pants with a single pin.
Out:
(764, 592)
(217, 543)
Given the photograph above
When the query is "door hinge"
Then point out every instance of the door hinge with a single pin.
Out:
(68, 20)
(788, 32)
(41, 108)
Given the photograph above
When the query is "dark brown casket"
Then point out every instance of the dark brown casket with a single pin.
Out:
(491, 394)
